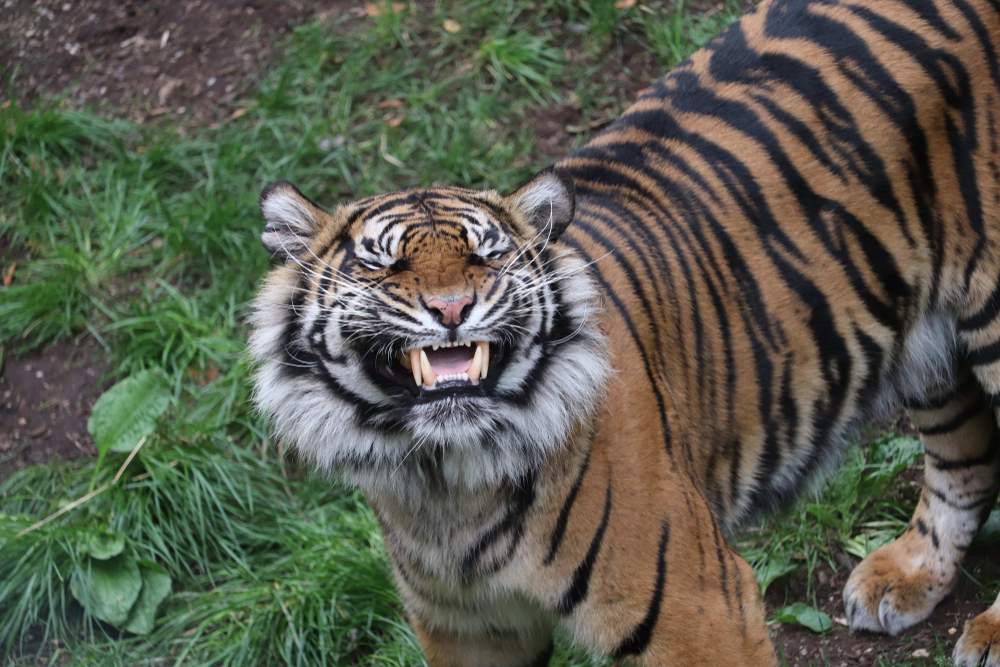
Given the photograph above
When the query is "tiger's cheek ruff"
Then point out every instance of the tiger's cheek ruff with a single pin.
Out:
(290, 389)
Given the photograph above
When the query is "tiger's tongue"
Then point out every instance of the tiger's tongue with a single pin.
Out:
(449, 360)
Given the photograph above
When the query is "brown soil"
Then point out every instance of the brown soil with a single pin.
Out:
(45, 400)
(145, 59)
(917, 646)
(628, 67)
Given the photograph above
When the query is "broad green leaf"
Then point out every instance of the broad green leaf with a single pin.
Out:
(102, 545)
(773, 569)
(155, 589)
(804, 615)
(107, 589)
(127, 412)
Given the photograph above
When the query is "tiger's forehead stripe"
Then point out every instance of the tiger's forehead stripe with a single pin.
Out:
(390, 225)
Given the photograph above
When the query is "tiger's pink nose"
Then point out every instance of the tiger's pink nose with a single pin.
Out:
(451, 311)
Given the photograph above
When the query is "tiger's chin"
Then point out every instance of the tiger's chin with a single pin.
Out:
(468, 437)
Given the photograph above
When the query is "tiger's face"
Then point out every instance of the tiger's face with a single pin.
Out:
(442, 335)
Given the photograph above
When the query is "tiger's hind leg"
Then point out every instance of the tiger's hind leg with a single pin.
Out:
(899, 585)
(979, 644)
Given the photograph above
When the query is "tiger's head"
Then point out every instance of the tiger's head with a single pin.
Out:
(442, 335)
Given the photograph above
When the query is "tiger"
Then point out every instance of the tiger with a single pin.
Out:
(561, 402)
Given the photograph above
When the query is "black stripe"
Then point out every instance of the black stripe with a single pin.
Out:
(988, 457)
(955, 422)
(932, 17)
(986, 314)
(577, 590)
(523, 496)
(560, 530)
(984, 355)
(984, 501)
(638, 639)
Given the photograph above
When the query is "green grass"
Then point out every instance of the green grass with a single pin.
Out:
(146, 240)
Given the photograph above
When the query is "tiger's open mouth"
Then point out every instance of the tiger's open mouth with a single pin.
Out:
(448, 364)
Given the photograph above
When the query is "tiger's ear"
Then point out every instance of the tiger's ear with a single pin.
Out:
(292, 220)
(547, 201)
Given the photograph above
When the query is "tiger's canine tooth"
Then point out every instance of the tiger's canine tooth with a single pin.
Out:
(427, 370)
(415, 365)
(484, 346)
(475, 368)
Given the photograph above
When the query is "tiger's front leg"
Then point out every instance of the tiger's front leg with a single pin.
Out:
(452, 648)
(899, 585)
(473, 625)
(658, 585)
(451, 645)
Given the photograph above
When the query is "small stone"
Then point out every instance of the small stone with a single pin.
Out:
(921, 653)
(952, 631)
(39, 374)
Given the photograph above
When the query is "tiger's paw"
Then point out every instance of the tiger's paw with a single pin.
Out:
(882, 596)
(979, 645)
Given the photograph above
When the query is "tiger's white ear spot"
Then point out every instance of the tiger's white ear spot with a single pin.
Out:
(291, 219)
(547, 201)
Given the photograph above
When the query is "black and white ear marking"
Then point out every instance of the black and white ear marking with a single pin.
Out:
(291, 219)
(547, 201)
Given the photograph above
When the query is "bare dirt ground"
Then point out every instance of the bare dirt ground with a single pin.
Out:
(192, 61)
(146, 59)
(45, 400)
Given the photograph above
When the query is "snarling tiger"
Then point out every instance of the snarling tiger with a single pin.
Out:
(561, 400)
